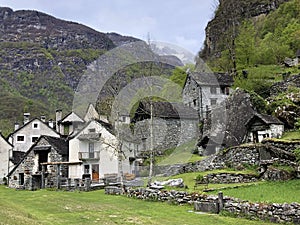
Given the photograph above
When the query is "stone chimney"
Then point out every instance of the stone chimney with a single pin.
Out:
(26, 117)
(17, 125)
(58, 117)
(51, 123)
(43, 119)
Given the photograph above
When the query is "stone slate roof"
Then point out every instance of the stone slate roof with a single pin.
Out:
(61, 145)
(219, 79)
(165, 110)
(266, 119)
(71, 118)
(17, 157)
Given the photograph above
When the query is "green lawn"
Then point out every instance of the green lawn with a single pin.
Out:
(59, 207)
(180, 154)
(291, 135)
(272, 192)
(189, 180)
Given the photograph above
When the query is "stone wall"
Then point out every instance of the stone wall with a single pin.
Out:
(167, 133)
(226, 178)
(284, 145)
(266, 153)
(273, 212)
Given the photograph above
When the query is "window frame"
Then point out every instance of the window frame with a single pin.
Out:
(34, 136)
(37, 125)
(213, 90)
(21, 135)
(213, 101)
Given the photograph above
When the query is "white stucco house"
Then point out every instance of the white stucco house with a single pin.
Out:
(96, 148)
(262, 126)
(5, 149)
(26, 135)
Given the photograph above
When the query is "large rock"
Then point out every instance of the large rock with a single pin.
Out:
(239, 109)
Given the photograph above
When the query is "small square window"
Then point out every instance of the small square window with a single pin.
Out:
(20, 138)
(34, 139)
(35, 126)
(213, 90)
(92, 130)
(213, 101)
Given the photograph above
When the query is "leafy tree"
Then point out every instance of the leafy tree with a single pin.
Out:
(245, 44)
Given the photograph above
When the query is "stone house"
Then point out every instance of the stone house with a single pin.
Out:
(202, 91)
(41, 165)
(262, 126)
(5, 149)
(25, 136)
(173, 124)
(96, 147)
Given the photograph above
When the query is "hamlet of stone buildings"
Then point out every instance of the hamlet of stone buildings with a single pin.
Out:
(69, 149)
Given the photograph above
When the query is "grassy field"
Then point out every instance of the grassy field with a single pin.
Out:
(58, 207)
(291, 135)
(278, 192)
(189, 180)
(180, 154)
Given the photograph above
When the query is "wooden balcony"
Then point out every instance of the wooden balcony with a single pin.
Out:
(88, 155)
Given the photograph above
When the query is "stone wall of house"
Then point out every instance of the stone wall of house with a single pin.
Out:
(167, 133)
(51, 171)
(32, 175)
(25, 168)
(273, 212)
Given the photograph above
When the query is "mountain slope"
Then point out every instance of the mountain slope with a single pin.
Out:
(42, 59)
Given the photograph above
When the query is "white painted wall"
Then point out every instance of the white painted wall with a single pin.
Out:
(30, 131)
(108, 162)
(275, 131)
(5, 148)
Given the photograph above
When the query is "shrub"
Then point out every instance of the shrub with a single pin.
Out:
(297, 154)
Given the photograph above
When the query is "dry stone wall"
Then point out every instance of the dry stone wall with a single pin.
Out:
(273, 212)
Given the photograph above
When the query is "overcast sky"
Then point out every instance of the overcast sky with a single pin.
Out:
(179, 22)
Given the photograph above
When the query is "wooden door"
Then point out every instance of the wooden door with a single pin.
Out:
(95, 172)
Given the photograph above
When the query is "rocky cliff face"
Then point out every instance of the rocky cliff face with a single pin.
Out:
(223, 27)
(49, 32)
